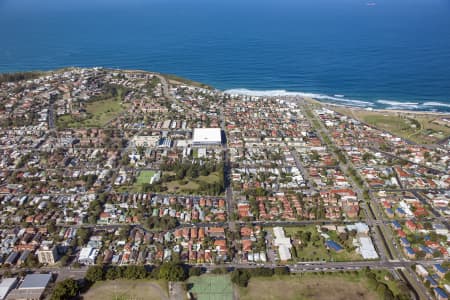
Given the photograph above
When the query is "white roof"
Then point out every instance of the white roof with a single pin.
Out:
(421, 269)
(207, 135)
(85, 253)
(7, 282)
(35, 281)
(284, 252)
(279, 232)
(282, 241)
(367, 249)
(6, 285)
(447, 287)
(359, 227)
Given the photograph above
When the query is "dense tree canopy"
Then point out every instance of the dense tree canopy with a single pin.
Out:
(172, 272)
(66, 289)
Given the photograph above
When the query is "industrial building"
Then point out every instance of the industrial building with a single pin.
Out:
(207, 137)
(7, 285)
(366, 248)
(31, 288)
(283, 243)
(87, 256)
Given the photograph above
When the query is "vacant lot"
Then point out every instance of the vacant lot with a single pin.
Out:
(127, 289)
(209, 287)
(419, 128)
(309, 286)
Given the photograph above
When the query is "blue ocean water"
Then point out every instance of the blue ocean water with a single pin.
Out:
(383, 53)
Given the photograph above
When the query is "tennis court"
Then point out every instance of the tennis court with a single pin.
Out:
(211, 287)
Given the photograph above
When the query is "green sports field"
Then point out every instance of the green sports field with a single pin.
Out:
(144, 177)
(211, 287)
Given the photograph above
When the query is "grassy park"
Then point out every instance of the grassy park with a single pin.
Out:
(308, 287)
(338, 285)
(416, 127)
(99, 113)
(190, 185)
(144, 177)
(127, 289)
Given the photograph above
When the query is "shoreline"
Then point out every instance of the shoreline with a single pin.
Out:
(319, 98)
(384, 110)
(347, 103)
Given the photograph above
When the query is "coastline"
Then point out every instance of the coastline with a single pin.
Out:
(436, 108)
(357, 105)
(381, 110)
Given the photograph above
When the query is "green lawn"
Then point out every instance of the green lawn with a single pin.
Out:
(309, 286)
(419, 128)
(127, 289)
(213, 177)
(99, 113)
(144, 177)
(332, 285)
(190, 186)
(178, 186)
(211, 287)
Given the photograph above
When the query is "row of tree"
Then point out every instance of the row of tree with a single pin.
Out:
(241, 277)
(169, 271)
(19, 76)
(66, 289)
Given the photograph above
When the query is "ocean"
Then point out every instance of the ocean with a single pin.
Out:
(392, 54)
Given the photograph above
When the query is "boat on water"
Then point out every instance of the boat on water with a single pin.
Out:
(371, 3)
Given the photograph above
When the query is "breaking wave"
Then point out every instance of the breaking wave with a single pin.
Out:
(431, 103)
(281, 93)
(340, 99)
(399, 105)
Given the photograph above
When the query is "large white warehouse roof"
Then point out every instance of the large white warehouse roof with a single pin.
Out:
(207, 136)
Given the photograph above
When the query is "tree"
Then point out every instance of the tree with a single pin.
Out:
(124, 231)
(64, 260)
(112, 273)
(135, 272)
(94, 273)
(83, 236)
(240, 277)
(32, 261)
(281, 271)
(51, 227)
(196, 271)
(172, 272)
(66, 289)
(221, 270)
